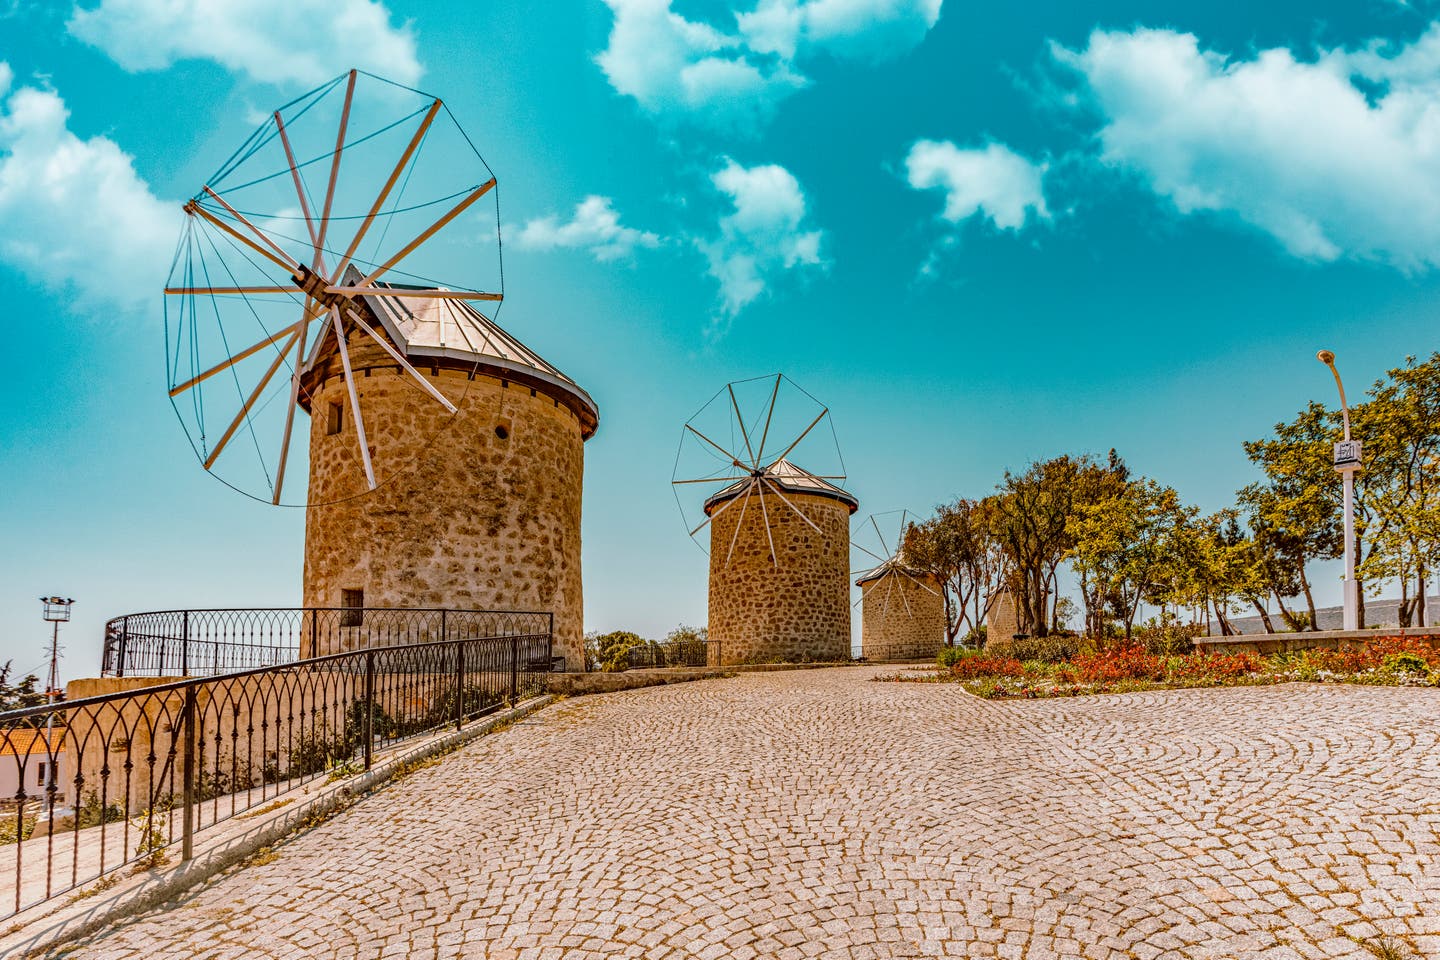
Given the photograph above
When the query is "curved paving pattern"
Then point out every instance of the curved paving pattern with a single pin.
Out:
(817, 814)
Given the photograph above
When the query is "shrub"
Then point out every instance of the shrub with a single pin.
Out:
(1055, 648)
(975, 636)
(611, 649)
(949, 656)
(1407, 663)
(986, 666)
(1168, 640)
(1212, 667)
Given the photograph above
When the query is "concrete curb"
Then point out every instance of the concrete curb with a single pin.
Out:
(46, 927)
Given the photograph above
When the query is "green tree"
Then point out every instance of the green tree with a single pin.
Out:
(958, 549)
(18, 694)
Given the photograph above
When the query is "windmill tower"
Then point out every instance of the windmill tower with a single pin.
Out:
(902, 611)
(445, 457)
(779, 534)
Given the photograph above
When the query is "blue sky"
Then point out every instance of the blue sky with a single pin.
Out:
(982, 234)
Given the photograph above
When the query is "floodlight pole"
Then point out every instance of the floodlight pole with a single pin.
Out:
(1347, 462)
(56, 612)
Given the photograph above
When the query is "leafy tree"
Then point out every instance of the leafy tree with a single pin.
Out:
(957, 547)
(21, 693)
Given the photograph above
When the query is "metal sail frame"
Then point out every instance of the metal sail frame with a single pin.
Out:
(890, 567)
(326, 296)
(757, 478)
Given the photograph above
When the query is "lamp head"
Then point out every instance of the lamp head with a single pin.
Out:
(1326, 357)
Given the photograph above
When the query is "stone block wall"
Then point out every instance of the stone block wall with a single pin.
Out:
(900, 619)
(1003, 620)
(795, 609)
(481, 510)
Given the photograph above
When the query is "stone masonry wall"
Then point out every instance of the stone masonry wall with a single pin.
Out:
(900, 619)
(796, 611)
(463, 517)
(1002, 622)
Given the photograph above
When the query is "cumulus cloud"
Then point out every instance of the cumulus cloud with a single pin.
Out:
(733, 80)
(993, 181)
(272, 41)
(595, 227)
(765, 234)
(1338, 156)
(74, 215)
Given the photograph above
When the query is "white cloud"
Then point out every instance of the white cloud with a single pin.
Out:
(680, 67)
(1339, 157)
(994, 181)
(595, 227)
(272, 41)
(74, 215)
(765, 234)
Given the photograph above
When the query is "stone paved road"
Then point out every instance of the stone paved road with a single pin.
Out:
(816, 814)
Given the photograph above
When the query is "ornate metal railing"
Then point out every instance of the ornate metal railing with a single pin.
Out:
(199, 643)
(99, 783)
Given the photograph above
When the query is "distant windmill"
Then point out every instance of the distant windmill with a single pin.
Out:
(903, 612)
(779, 533)
(289, 256)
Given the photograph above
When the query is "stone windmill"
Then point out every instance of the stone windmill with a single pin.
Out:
(902, 611)
(779, 533)
(445, 457)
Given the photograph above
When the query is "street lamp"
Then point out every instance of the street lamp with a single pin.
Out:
(1347, 462)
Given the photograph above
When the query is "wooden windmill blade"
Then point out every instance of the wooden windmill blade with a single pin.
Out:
(325, 213)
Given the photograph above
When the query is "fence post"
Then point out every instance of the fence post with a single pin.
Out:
(369, 705)
(185, 644)
(444, 630)
(459, 684)
(514, 669)
(314, 630)
(187, 843)
(124, 644)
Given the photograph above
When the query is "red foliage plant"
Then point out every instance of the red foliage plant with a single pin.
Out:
(1214, 666)
(1121, 662)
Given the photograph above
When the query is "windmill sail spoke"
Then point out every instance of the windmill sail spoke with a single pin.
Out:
(803, 434)
(739, 523)
(227, 364)
(385, 190)
(228, 291)
(399, 358)
(709, 480)
(919, 583)
(299, 186)
(773, 558)
(195, 209)
(354, 396)
(883, 545)
(429, 231)
(769, 413)
(872, 553)
(334, 169)
(415, 294)
(798, 512)
(719, 510)
(290, 410)
(249, 402)
(741, 421)
(289, 261)
(733, 459)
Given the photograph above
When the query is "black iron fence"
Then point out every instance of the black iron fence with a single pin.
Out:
(676, 653)
(199, 643)
(106, 782)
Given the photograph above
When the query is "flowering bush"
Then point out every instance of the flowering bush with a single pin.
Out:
(1212, 667)
(1120, 662)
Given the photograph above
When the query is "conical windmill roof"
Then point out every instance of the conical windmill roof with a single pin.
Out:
(890, 568)
(790, 479)
(452, 333)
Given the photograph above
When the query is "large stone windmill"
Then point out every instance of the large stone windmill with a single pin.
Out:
(445, 457)
(779, 535)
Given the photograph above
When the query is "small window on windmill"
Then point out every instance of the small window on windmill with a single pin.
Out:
(353, 602)
(336, 420)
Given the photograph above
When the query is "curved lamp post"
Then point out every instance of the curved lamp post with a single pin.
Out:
(1347, 461)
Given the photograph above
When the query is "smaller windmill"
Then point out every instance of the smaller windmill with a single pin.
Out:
(779, 533)
(903, 613)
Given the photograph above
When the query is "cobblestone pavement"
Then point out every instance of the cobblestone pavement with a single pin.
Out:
(816, 814)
